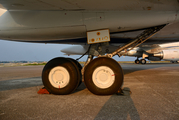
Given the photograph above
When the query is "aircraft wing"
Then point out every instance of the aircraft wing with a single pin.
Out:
(86, 4)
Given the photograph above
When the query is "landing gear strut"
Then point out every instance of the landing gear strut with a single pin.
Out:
(102, 76)
(142, 61)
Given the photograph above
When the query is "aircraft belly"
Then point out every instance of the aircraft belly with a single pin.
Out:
(39, 19)
(62, 25)
(41, 25)
(89, 4)
(44, 34)
(118, 21)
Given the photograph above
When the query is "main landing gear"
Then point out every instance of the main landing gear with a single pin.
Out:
(142, 61)
(102, 75)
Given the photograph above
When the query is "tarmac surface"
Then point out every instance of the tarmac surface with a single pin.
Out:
(154, 96)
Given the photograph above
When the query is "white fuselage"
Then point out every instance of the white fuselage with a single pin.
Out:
(53, 20)
(60, 25)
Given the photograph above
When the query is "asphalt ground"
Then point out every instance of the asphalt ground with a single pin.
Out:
(151, 92)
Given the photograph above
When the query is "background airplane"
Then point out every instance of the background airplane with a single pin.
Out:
(154, 52)
(99, 23)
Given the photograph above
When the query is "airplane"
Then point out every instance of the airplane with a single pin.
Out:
(154, 52)
(166, 52)
(96, 23)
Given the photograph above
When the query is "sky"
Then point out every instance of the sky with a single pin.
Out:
(21, 51)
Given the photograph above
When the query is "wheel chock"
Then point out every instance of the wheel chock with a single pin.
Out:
(43, 91)
(120, 92)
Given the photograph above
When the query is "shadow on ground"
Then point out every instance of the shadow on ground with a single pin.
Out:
(119, 108)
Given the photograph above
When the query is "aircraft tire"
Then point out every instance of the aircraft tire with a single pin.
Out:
(79, 68)
(60, 76)
(143, 61)
(137, 61)
(103, 76)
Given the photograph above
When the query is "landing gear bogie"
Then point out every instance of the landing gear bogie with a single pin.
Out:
(142, 61)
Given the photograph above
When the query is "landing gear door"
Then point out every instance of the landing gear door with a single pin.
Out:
(98, 36)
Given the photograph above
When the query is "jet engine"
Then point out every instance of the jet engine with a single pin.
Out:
(170, 55)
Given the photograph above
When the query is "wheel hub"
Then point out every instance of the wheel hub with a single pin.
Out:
(103, 77)
(59, 77)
